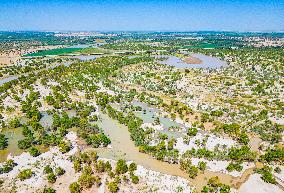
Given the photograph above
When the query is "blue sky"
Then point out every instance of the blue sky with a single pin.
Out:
(155, 15)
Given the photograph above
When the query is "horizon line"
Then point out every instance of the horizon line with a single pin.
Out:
(158, 31)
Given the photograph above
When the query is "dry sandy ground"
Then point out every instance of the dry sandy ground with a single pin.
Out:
(192, 60)
(257, 185)
(8, 58)
(11, 57)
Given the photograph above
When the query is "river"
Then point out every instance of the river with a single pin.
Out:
(123, 148)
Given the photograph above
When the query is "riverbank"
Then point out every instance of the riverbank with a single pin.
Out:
(192, 61)
(148, 180)
(120, 139)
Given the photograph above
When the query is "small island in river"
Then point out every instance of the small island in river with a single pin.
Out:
(192, 60)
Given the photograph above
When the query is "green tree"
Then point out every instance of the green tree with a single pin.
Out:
(244, 139)
(100, 166)
(132, 167)
(3, 141)
(74, 187)
(86, 180)
(64, 147)
(34, 152)
(51, 178)
(14, 123)
(234, 166)
(48, 190)
(59, 171)
(113, 187)
(121, 167)
(192, 171)
(77, 165)
(202, 165)
(25, 174)
(266, 174)
(192, 131)
(134, 179)
(47, 169)
(24, 144)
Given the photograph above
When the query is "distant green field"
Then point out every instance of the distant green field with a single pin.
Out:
(203, 45)
(92, 50)
(58, 51)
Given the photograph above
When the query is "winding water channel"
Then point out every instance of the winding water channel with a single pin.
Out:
(123, 147)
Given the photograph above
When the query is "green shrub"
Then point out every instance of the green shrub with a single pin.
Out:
(86, 180)
(74, 188)
(202, 165)
(24, 144)
(48, 190)
(34, 152)
(113, 187)
(274, 155)
(234, 166)
(100, 166)
(192, 131)
(121, 167)
(108, 167)
(3, 141)
(266, 175)
(134, 179)
(25, 174)
(132, 167)
(59, 171)
(192, 171)
(14, 123)
(8, 166)
(64, 147)
(47, 169)
(77, 166)
(51, 178)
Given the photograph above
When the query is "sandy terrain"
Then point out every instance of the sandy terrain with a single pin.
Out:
(8, 58)
(11, 57)
(148, 180)
(256, 184)
(192, 60)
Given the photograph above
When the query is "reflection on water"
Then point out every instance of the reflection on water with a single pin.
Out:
(85, 57)
(13, 135)
(46, 120)
(149, 115)
(123, 148)
(207, 61)
(7, 79)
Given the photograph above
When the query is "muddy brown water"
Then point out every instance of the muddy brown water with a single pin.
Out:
(13, 135)
(123, 148)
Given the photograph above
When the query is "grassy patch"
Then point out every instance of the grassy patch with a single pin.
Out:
(58, 51)
(87, 51)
